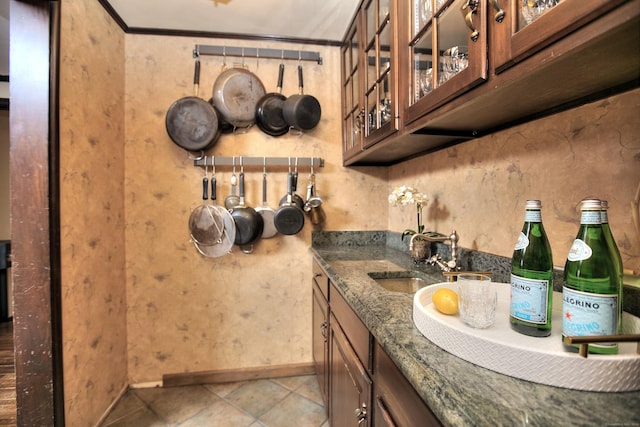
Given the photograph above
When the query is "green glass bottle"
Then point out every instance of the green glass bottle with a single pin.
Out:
(611, 242)
(591, 303)
(532, 276)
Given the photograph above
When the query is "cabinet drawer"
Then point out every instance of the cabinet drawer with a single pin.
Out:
(396, 401)
(321, 279)
(354, 329)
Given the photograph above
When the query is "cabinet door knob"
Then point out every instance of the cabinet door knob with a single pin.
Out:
(499, 17)
(361, 413)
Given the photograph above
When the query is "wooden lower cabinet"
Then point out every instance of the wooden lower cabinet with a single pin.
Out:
(350, 385)
(320, 329)
(396, 402)
(320, 339)
(360, 384)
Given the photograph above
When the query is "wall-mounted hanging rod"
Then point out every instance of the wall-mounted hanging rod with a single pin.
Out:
(318, 162)
(252, 52)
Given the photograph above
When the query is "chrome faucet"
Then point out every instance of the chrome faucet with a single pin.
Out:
(452, 264)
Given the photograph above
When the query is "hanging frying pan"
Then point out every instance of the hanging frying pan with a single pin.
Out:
(269, 116)
(301, 111)
(191, 122)
(223, 126)
(249, 223)
(236, 93)
(266, 212)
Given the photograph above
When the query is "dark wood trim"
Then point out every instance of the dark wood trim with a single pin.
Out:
(241, 374)
(4, 78)
(4, 103)
(209, 34)
(34, 27)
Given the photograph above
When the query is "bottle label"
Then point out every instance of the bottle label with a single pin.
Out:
(532, 216)
(591, 217)
(579, 251)
(523, 242)
(588, 314)
(529, 299)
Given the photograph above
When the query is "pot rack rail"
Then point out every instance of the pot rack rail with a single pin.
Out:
(253, 52)
(238, 161)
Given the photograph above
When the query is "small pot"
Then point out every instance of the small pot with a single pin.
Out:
(301, 111)
(289, 218)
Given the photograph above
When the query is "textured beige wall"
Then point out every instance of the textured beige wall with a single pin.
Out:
(92, 210)
(188, 313)
(480, 187)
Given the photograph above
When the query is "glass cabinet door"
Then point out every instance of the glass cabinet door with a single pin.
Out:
(522, 27)
(448, 51)
(380, 99)
(351, 108)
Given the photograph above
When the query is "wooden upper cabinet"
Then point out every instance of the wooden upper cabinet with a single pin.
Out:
(520, 29)
(458, 69)
(446, 52)
(369, 76)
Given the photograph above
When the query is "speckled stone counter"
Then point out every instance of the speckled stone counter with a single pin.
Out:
(459, 393)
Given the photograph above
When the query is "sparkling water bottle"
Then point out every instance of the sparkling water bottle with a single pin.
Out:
(532, 276)
(611, 242)
(592, 289)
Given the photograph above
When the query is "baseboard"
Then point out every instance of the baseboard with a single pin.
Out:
(234, 375)
(113, 404)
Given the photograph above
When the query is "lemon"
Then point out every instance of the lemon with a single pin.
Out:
(445, 301)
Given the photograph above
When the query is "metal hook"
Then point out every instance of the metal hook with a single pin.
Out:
(213, 165)
(205, 166)
(264, 165)
(200, 157)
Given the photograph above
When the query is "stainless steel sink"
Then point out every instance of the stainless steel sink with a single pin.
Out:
(399, 281)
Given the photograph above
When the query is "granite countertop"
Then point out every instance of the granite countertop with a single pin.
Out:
(458, 392)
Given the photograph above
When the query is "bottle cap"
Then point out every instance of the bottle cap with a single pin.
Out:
(604, 204)
(533, 204)
(591, 204)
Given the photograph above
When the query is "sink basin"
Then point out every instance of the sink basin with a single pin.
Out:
(399, 281)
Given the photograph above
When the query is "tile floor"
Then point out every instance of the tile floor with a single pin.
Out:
(278, 402)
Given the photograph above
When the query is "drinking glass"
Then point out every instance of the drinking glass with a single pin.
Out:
(477, 300)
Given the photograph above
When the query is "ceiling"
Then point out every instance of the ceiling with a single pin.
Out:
(296, 20)
(318, 20)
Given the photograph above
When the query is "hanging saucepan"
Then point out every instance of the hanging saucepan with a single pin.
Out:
(249, 223)
(289, 218)
(236, 93)
(191, 122)
(301, 111)
(269, 116)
